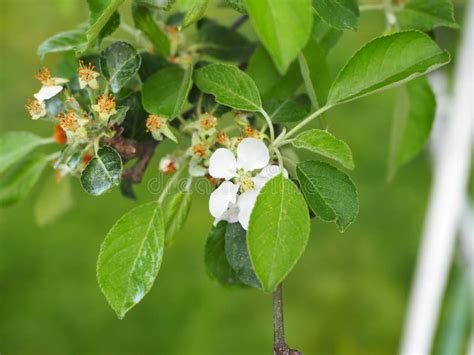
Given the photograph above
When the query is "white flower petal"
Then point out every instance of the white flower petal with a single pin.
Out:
(47, 92)
(266, 174)
(252, 154)
(246, 202)
(222, 197)
(231, 215)
(222, 164)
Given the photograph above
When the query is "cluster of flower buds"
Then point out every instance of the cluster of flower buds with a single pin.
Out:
(80, 126)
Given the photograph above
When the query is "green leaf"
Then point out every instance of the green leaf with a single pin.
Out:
(157, 4)
(134, 124)
(145, 22)
(222, 43)
(324, 143)
(270, 83)
(166, 91)
(385, 62)
(278, 231)
(340, 14)
(18, 182)
(330, 193)
(231, 86)
(54, 200)
(325, 35)
(103, 20)
(195, 12)
(176, 214)
(103, 172)
(315, 72)
(62, 42)
(215, 259)
(426, 15)
(130, 257)
(293, 109)
(412, 123)
(238, 255)
(14, 146)
(119, 62)
(283, 26)
(236, 5)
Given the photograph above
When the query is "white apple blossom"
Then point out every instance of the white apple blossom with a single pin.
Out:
(246, 174)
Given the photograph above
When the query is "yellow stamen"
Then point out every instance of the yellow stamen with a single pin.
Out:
(86, 73)
(154, 122)
(207, 121)
(68, 121)
(44, 77)
(34, 107)
(199, 149)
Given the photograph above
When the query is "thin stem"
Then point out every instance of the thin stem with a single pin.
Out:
(270, 125)
(280, 159)
(301, 125)
(390, 14)
(170, 184)
(239, 22)
(278, 322)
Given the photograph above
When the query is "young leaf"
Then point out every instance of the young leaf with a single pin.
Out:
(130, 257)
(426, 15)
(166, 91)
(330, 193)
(103, 172)
(176, 214)
(238, 255)
(62, 42)
(315, 72)
(145, 22)
(14, 146)
(222, 43)
(270, 83)
(236, 5)
(283, 26)
(195, 12)
(103, 20)
(231, 86)
(119, 62)
(324, 143)
(17, 183)
(412, 127)
(278, 231)
(54, 200)
(215, 259)
(340, 14)
(290, 110)
(385, 62)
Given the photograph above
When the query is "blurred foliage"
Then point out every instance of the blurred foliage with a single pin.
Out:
(346, 296)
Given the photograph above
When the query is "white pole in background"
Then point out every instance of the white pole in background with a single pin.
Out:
(446, 205)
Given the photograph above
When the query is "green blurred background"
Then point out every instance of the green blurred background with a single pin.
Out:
(347, 295)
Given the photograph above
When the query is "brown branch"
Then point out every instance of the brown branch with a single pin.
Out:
(130, 149)
(279, 345)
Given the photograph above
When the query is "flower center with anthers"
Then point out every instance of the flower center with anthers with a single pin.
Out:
(86, 73)
(44, 77)
(68, 121)
(34, 107)
(106, 103)
(154, 123)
